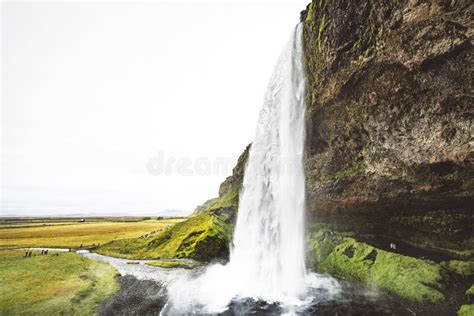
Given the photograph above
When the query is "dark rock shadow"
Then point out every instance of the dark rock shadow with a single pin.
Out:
(136, 297)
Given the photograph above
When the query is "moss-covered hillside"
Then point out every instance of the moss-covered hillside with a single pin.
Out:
(411, 278)
(204, 236)
(427, 283)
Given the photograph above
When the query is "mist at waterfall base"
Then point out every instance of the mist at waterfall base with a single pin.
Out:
(267, 261)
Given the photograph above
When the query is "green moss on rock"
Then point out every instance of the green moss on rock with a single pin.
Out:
(349, 172)
(464, 268)
(470, 291)
(201, 237)
(228, 200)
(169, 264)
(309, 13)
(466, 310)
(410, 278)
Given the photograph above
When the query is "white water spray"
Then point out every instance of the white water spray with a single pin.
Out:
(268, 249)
(267, 258)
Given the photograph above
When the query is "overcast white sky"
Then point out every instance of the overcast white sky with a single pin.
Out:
(95, 95)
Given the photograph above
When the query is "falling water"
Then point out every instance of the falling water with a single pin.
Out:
(267, 258)
(268, 248)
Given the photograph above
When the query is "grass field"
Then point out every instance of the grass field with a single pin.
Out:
(62, 283)
(72, 233)
(56, 284)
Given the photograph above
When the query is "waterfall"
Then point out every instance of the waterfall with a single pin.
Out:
(267, 256)
(268, 250)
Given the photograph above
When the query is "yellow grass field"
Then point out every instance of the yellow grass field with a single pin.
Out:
(73, 233)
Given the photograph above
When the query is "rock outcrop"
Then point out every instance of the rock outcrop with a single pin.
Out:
(389, 139)
(389, 156)
(226, 204)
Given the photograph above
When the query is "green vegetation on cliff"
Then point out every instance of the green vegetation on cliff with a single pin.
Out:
(470, 291)
(202, 236)
(224, 206)
(466, 310)
(463, 268)
(410, 278)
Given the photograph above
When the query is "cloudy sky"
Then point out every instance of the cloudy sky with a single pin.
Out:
(131, 108)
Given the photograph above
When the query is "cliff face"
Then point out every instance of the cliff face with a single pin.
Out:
(389, 119)
(226, 204)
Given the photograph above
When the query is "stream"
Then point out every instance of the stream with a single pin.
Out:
(144, 291)
(141, 270)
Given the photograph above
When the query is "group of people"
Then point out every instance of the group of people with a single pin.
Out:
(29, 253)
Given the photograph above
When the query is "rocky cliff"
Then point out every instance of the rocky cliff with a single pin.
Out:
(389, 120)
(389, 156)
